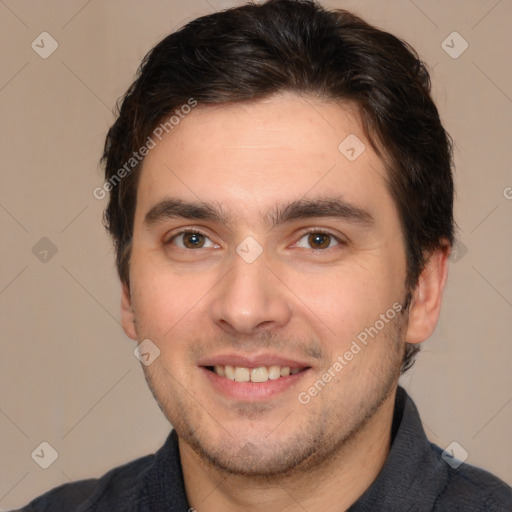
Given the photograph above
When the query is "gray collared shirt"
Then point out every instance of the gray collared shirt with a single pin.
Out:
(414, 478)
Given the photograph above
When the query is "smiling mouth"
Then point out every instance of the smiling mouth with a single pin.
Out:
(258, 375)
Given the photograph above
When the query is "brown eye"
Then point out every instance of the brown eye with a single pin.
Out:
(191, 240)
(319, 240)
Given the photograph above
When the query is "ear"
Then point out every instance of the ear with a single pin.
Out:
(127, 315)
(427, 296)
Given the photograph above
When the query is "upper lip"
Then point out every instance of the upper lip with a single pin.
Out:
(252, 361)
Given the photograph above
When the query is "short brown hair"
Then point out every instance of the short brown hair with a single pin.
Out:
(254, 51)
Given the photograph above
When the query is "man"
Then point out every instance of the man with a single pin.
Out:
(281, 206)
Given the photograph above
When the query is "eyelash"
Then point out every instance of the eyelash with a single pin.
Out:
(318, 231)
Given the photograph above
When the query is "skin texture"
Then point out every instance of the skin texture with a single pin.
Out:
(294, 300)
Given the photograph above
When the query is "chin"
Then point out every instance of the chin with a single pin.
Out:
(256, 461)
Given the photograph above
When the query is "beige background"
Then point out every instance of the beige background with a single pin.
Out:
(67, 372)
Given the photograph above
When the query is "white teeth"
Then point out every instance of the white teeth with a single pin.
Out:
(242, 374)
(274, 372)
(285, 371)
(229, 372)
(259, 374)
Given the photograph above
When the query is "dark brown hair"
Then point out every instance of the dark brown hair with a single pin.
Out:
(254, 51)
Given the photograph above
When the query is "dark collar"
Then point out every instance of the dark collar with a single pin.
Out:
(164, 488)
(412, 476)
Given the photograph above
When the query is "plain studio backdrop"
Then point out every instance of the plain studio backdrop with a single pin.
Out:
(68, 376)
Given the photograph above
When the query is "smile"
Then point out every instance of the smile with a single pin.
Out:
(258, 374)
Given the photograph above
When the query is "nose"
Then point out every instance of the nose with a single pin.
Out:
(250, 298)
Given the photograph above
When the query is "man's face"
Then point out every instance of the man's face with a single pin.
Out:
(299, 251)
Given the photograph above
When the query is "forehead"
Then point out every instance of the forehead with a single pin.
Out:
(253, 155)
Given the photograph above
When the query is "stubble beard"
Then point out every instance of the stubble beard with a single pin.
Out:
(312, 448)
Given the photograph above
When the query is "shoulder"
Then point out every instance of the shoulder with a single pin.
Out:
(120, 485)
(469, 488)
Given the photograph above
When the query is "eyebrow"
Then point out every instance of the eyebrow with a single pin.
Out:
(336, 207)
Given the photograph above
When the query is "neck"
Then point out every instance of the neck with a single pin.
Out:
(333, 485)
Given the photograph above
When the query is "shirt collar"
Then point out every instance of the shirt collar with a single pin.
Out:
(411, 474)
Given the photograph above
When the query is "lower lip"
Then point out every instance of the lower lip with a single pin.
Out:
(252, 391)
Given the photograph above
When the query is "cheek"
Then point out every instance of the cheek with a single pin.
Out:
(347, 299)
(165, 302)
